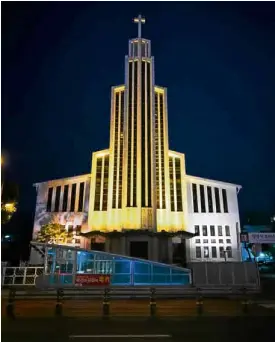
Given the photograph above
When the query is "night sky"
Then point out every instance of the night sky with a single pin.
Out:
(60, 59)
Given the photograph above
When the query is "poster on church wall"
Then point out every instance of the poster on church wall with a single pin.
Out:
(83, 280)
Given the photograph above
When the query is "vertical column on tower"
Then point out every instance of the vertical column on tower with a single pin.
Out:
(139, 151)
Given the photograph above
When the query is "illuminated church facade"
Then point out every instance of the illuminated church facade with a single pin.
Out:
(138, 199)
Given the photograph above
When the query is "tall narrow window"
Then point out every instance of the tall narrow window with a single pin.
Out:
(219, 230)
(98, 184)
(73, 197)
(178, 184)
(202, 199)
(214, 251)
(229, 252)
(78, 230)
(49, 201)
(227, 230)
(116, 115)
(105, 183)
(195, 198)
(212, 230)
(210, 199)
(198, 252)
(57, 199)
(65, 198)
(217, 198)
(221, 252)
(81, 196)
(171, 174)
(204, 230)
(206, 252)
(224, 198)
(197, 230)
(237, 233)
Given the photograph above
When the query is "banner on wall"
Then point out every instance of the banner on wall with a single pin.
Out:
(261, 238)
(83, 280)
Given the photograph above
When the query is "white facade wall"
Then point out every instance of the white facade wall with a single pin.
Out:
(66, 218)
(208, 219)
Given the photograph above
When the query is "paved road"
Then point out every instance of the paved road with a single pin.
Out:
(125, 329)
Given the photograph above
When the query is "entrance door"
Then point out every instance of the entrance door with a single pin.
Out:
(179, 254)
(139, 249)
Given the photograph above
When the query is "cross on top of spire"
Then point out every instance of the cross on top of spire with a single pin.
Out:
(139, 20)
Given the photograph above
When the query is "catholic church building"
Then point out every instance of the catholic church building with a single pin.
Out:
(138, 199)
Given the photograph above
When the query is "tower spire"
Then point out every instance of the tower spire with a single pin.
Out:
(139, 20)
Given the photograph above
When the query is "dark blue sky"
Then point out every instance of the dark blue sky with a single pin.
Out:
(59, 60)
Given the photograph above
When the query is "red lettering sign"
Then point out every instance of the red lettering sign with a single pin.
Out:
(92, 279)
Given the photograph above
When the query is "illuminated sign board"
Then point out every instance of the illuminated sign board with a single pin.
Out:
(261, 237)
(83, 280)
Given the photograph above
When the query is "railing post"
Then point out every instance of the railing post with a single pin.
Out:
(3, 273)
(245, 301)
(153, 304)
(199, 303)
(59, 302)
(106, 303)
(24, 277)
(10, 305)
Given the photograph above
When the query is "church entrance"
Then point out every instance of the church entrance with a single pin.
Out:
(139, 249)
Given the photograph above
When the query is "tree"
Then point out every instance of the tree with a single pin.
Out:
(8, 201)
(53, 233)
(7, 211)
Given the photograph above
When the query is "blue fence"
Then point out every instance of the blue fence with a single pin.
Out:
(63, 264)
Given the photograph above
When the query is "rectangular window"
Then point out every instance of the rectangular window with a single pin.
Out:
(202, 199)
(77, 241)
(221, 252)
(229, 252)
(73, 197)
(220, 240)
(227, 230)
(197, 230)
(205, 241)
(213, 241)
(65, 198)
(198, 252)
(78, 230)
(195, 198)
(210, 199)
(81, 196)
(204, 230)
(217, 199)
(219, 230)
(49, 201)
(57, 199)
(228, 240)
(198, 241)
(212, 230)
(206, 252)
(70, 229)
(224, 198)
(214, 251)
